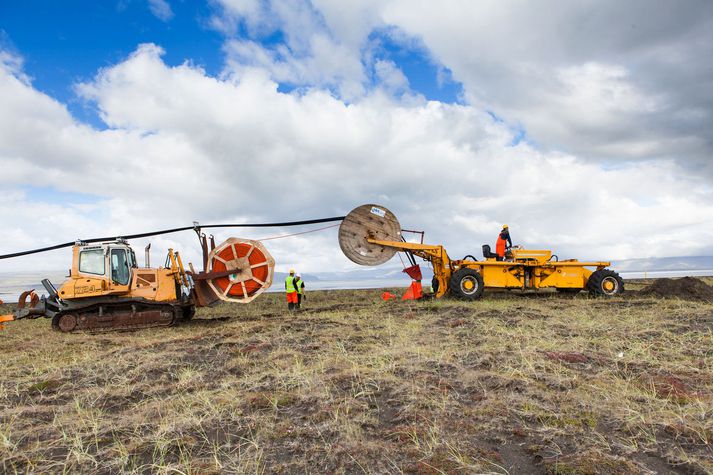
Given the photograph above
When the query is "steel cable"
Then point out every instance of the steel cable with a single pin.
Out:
(173, 230)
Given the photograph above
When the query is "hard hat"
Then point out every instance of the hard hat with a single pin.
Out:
(505, 226)
(292, 271)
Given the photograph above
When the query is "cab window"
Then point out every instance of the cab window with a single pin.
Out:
(132, 259)
(92, 262)
(119, 266)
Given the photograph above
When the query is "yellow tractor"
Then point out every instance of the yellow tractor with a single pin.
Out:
(108, 290)
(371, 235)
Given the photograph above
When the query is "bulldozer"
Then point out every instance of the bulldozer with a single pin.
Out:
(371, 235)
(107, 290)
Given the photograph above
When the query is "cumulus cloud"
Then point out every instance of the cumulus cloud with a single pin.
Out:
(182, 145)
(161, 9)
(601, 80)
(321, 44)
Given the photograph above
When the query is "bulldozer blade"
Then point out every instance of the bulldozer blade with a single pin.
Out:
(203, 294)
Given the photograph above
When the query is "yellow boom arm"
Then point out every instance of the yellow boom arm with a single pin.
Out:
(435, 254)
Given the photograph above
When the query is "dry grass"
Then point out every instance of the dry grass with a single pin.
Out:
(509, 384)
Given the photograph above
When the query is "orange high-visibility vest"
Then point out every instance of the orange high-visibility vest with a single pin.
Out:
(500, 246)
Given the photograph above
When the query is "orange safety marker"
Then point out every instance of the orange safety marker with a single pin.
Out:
(386, 296)
(5, 318)
(414, 292)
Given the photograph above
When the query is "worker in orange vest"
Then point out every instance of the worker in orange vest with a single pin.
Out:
(503, 237)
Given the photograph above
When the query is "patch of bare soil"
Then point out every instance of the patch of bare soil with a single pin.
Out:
(686, 288)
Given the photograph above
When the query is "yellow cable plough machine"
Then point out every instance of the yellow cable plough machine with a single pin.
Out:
(371, 235)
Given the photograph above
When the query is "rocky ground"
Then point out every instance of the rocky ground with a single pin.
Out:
(351, 384)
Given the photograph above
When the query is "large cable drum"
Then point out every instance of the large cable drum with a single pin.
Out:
(369, 222)
(253, 269)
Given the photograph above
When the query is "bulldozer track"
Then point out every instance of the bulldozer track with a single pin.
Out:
(112, 316)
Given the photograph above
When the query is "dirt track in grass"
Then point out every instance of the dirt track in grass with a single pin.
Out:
(351, 384)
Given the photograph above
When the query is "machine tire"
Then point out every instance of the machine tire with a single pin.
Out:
(460, 281)
(605, 283)
(434, 285)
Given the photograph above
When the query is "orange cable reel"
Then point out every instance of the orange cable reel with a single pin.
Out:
(254, 269)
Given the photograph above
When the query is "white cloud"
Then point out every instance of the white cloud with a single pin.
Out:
(324, 45)
(328, 65)
(161, 9)
(184, 146)
(13, 64)
(390, 76)
(596, 79)
(604, 89)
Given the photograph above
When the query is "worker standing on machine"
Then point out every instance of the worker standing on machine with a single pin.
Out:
(291, 290)
(300, 286)
(503, 237)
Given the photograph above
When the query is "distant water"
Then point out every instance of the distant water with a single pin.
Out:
(12, 285)
(352, 284)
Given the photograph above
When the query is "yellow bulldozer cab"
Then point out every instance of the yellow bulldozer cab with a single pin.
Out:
(111, 269)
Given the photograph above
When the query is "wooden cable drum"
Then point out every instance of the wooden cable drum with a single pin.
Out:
(369, 221)
(254, 268)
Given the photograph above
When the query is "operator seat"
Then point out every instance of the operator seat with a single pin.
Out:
(488, 254)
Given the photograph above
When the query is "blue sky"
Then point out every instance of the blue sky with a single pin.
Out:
(67, 42)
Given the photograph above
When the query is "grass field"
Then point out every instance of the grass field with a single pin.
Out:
(509, 384)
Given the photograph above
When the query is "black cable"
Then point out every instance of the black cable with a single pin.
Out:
(174, 230)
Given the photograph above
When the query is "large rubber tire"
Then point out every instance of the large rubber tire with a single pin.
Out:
(434, 284)
(605, 283)
(466, 284)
